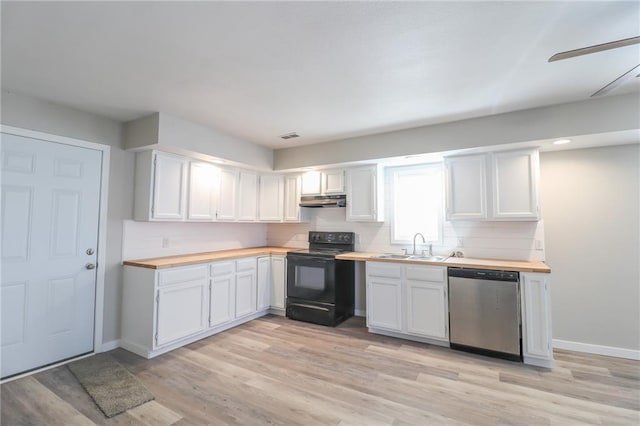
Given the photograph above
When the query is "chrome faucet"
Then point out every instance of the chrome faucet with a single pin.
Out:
(414, 242)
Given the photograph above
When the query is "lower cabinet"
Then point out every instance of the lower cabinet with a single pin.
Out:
(167, 308)
(407, 299)
(271, 283)
(537, 346)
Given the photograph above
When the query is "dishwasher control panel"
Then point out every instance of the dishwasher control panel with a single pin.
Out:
(484, 274)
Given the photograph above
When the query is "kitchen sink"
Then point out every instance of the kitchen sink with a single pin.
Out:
(428, 258)
(393, 256)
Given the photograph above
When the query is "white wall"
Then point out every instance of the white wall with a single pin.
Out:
(34, 114)
(591, 205)
(143, 240)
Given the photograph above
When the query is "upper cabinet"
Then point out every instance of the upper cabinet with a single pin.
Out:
(493, 186)
(271, 198)
(333, 181)
(325, 182)
(204, 182)
(160, 185)
(292, 192)
(365, 194)
(248, 196)
(515, 177)
(227, 199)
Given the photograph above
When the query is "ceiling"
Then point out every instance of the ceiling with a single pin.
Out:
(327, 70)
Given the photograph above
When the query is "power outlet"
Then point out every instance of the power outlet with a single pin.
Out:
(539, 245)
(165, 242)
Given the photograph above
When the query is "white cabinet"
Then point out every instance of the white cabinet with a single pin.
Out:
(384, 296)
(278, 288)
(427, 307)
(365, 197)
(311, 183)
(333, 181)
(466, 187)
(515, 184)
(292, 193)
(248, 196)
(536, 319)
(227, 195)
(271, 198)
(493, 186)
(160, 186)
(325, 182)
(246, 287)
(408, 300)
(271, 283)
(222, 298)
(204, 181)
(264, 282)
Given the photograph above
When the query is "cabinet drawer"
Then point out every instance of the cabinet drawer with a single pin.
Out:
(425, 273)
(246, 264)
(388, 270)
(180, 275)
(222, 268)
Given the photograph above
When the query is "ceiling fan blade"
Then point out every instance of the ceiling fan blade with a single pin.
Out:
(632, 73)
(595, 48)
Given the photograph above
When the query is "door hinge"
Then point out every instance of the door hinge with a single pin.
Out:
(158, 298)
(156, 338)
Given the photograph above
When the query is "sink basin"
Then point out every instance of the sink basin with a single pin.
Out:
(428, 258)
(393, 256)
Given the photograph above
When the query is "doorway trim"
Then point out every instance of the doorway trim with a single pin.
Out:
(102, 217)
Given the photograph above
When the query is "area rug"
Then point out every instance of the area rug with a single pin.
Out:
(111, 386)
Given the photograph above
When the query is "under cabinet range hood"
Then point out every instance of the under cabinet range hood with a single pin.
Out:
(323, 201)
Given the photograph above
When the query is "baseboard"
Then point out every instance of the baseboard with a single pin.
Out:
(109, 346)
(360, 312)
(597, 349)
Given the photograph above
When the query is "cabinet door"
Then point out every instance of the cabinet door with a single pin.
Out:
(203, 191)
(384, 303)
(312, 183)
(182, 310)
(271, 199)
(515, 184)
(246, 289)
(222, 299)
(264, 282)
(248, 196)
(536, 316)
(292, 188)
(333, 182)
(362, 194)
(169, 186)
(466, 187)
(278, 281)
(227, 195)
(427, 310)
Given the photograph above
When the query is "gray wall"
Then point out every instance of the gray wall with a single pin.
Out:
(594, 116)
(591, 207)
(34, 114)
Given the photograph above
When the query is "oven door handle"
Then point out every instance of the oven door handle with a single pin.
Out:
(303, 258)
(303, 305)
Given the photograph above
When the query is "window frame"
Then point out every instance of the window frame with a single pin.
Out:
(391, 173)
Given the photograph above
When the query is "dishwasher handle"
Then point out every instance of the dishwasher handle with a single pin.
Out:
(484, 274)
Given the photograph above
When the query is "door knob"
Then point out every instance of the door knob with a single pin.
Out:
(90, 266)
(89, 251)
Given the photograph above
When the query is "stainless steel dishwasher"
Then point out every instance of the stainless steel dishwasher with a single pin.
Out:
(484, 312)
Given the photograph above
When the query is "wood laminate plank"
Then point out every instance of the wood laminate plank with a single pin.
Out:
(277, 371)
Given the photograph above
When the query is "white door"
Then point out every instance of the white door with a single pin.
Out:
(333, 182)
(246, 289)
(50, 206)
(222, 299)
(248, 196)
(384, 303)
(182, 310)
(515, 184)
(278, 281)
(292, 198)
(264, 282)
(227, 195)
(427, 309)
(361, 193)
(466, 190)
(203, 191)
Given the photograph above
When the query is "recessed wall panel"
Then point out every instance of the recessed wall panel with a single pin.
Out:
(13, 315)
(64, 223)
(16, 222)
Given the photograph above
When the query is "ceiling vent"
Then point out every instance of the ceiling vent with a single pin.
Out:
(290, 135)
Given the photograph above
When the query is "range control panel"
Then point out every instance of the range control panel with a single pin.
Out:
(331, 237)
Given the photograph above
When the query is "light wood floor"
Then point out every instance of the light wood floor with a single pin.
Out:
(278, 371)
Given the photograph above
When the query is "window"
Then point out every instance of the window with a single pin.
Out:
(417, 203)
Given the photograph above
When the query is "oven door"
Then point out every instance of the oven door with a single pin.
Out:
(311, 278)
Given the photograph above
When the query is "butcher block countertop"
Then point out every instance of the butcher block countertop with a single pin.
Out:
(213, 256)
(463, 262)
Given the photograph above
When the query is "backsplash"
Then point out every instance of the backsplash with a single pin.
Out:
(490, 240)
(142, 240)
